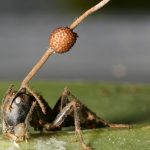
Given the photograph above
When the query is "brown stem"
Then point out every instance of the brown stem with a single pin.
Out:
(87, 13)
(37, 67)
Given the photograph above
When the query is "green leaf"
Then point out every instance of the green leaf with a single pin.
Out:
(118, 103)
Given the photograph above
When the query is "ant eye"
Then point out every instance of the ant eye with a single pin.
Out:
(18, 100)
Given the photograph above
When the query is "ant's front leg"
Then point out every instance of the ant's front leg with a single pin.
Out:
(36, 96)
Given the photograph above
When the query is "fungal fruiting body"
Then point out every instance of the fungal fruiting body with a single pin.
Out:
(62, 39)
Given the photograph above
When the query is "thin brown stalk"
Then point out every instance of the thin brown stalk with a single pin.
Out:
(37, 67)
(87, 13)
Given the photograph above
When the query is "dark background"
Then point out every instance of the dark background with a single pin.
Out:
(113, 43)
(72, 5)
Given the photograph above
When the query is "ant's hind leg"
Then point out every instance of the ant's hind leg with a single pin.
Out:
(89, 119)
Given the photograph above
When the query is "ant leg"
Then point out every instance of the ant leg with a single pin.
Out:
(61, 103)
(36, 97)
(77, 126)
(72, 108)
(90, 119)
(58, 122)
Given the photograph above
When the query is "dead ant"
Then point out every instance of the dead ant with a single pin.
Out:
(24, 111)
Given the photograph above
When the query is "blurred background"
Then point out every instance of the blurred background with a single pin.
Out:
(113, 43)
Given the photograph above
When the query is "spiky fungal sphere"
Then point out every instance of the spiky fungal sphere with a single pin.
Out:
(62, 39)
